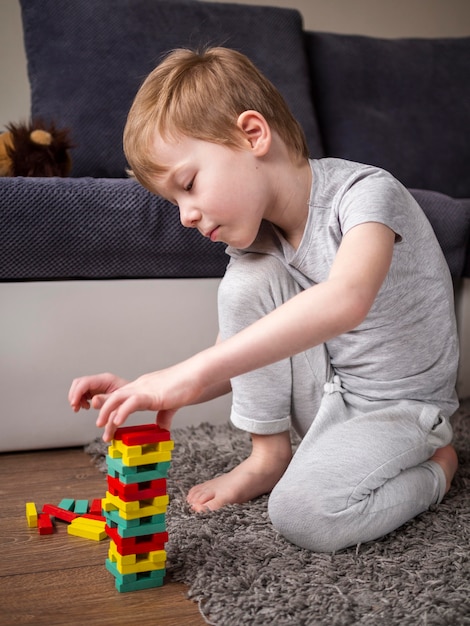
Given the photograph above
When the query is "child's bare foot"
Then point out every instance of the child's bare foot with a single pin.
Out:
(447, 458)
(270, 456)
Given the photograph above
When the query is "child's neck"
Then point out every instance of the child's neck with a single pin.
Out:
(291, 213)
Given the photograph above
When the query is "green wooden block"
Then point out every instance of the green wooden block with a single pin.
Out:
(134, 582)
(144, 583)
(81, 507)
(68, 504)
(136, 474)
(129, 528)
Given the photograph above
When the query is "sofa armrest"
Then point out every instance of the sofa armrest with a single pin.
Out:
(450, 219)
(88, 228)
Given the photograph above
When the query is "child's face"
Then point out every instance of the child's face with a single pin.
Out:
(219, 190)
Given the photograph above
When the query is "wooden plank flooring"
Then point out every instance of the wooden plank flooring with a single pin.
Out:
(60, 579)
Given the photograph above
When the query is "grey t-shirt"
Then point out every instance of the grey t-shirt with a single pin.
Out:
(407, 347)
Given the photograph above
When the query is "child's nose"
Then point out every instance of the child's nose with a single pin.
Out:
(189, 216)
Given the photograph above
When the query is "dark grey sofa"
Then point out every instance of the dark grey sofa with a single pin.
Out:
(400, 104)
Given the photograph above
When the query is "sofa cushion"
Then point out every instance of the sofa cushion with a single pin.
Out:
(450, 219)
(91, 228)
(87, 59)
(114, 228)
(401, 104)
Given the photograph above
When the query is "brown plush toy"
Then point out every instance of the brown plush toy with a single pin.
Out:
(35, 149)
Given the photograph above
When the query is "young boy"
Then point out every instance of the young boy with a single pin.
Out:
(336, 311)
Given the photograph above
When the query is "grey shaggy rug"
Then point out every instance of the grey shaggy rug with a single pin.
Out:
(241, 571)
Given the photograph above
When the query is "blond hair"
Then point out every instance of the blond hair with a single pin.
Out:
(201, 95)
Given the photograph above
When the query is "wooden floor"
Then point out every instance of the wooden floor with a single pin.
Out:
(60, 579)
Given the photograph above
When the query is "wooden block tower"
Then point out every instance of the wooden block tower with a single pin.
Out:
(135, 506)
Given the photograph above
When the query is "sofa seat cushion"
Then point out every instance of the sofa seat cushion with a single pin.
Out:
(87, 59)
(91, 228)
(113, 228)
(401, 104)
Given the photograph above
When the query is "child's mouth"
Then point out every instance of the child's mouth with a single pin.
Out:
(213, 234)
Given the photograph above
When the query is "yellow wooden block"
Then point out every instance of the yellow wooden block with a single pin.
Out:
(87, 522)
(81, 527)
(114, 503)
(141, 564)
(156, 556)
(140, 455)
(31, 515)
(144, 448)
(137, 505)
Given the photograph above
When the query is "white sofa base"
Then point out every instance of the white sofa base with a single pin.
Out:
(52, 332)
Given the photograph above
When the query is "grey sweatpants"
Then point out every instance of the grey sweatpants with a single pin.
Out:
(362, 468)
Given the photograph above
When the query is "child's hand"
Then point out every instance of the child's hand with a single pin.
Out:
(164, 392)
(88, 390)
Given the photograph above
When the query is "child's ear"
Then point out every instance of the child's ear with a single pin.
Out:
(256, 130)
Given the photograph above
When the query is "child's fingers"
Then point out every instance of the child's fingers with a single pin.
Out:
(81, 391)
(109, 430)
(119, 405)
(84, 389)
(165, 417)
(75, 395)
(98, 400)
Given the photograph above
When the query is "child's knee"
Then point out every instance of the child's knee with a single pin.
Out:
(254, 285)
(306, 520)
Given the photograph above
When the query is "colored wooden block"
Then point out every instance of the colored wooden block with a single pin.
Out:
(145, 433)
(143, 583)
(145, 448)
(136, 527)
(134, 577)
(139, 455)
(87, 528)
(137, 491)
(137, 581)
(81, 507)
(136, 508)
(45, 525)
(86, 533)
(91, 516)
(137, 545)
(99, 518)
(31, 515)
(67, 503)
(115, 516)
(96, 507)
(87, 522)
(155, 561)
(139, 449)
(59, 513)
(139, 473)
(153, 556)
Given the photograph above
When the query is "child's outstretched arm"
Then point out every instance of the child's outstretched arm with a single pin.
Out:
(93, 391)
(312, 317)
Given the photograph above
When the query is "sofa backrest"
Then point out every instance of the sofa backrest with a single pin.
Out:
(401, 104)
(86, 60)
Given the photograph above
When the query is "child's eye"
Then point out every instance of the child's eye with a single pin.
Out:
(189, 186)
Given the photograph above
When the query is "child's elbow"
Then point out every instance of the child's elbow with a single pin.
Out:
(358, 305)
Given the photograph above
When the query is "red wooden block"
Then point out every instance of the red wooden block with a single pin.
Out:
(137, 545)
(96, 507)
(99, 518)
(62, 514)
(137, 491)
(45, 525)
(140, 435)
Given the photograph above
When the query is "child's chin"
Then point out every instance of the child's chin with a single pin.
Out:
(241, 243)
